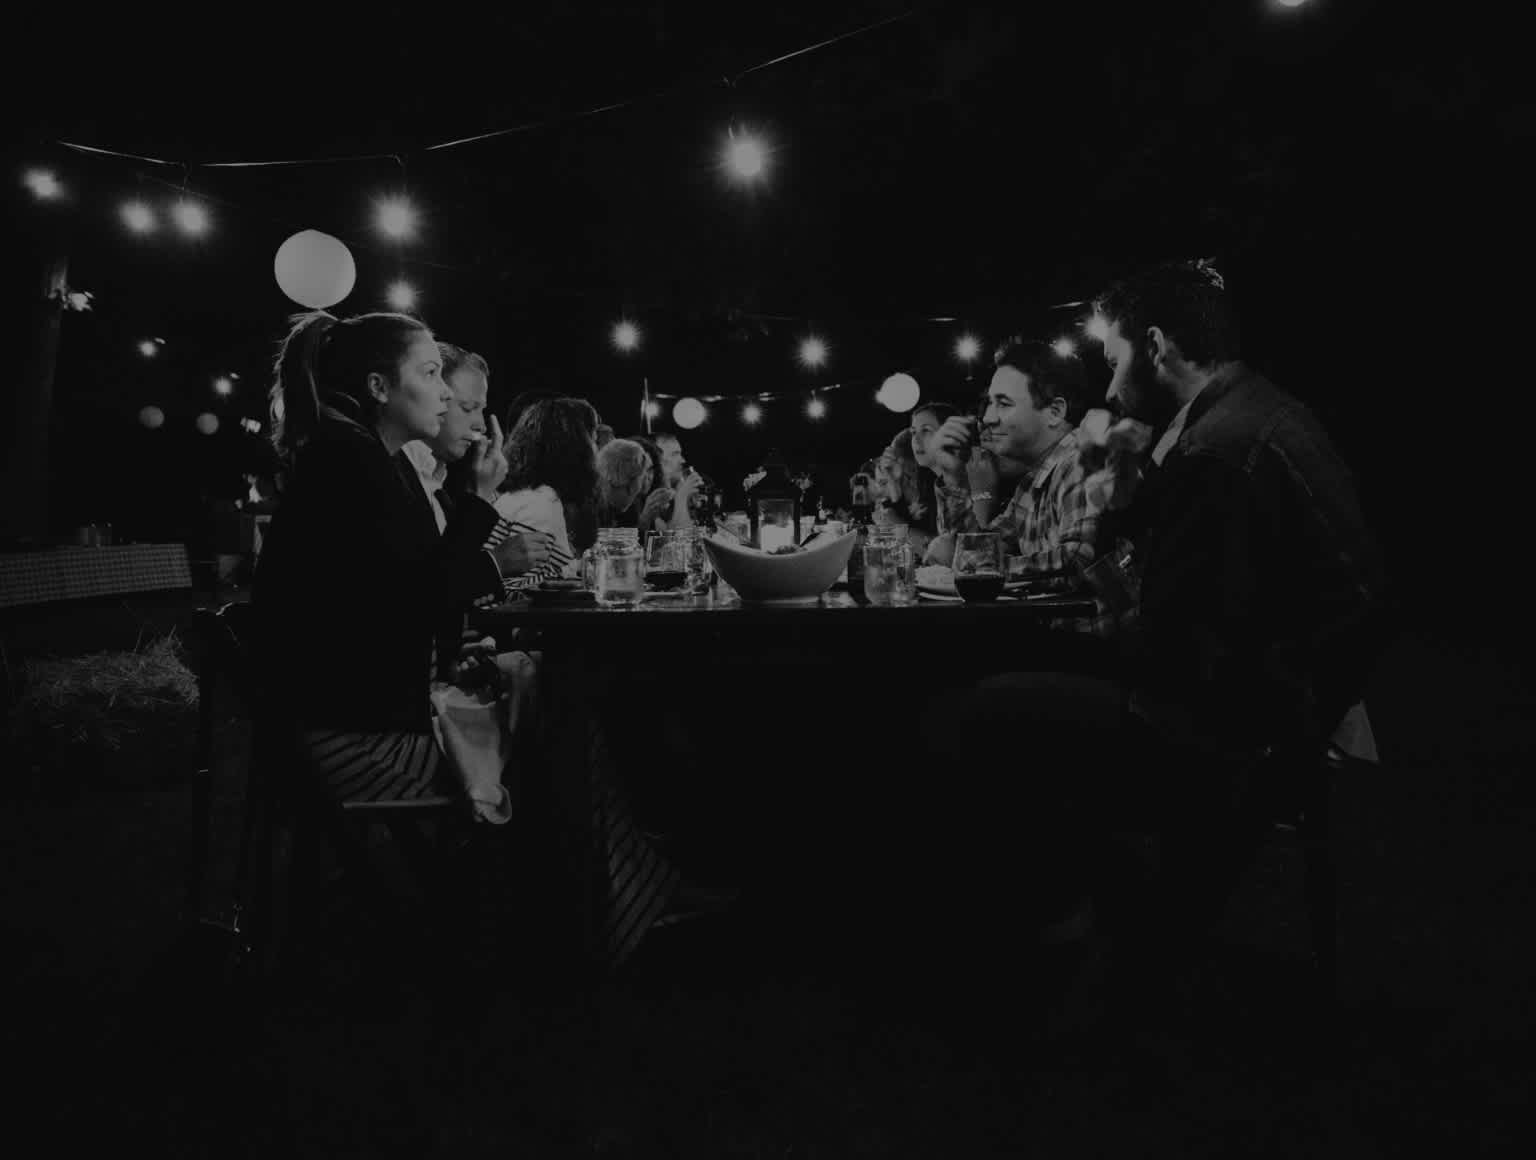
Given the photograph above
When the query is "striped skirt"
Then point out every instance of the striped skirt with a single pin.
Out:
(625, 882)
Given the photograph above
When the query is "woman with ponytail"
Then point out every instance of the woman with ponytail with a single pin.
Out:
(355, 580)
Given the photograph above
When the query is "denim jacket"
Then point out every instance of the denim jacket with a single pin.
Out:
(1262, 591)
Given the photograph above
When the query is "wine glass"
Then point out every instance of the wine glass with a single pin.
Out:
(978, 565)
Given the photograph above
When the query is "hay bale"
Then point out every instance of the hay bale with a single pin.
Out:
(107, 707)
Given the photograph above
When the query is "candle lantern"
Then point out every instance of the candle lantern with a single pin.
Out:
(773, 506)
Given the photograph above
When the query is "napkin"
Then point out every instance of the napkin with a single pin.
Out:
(469, 729)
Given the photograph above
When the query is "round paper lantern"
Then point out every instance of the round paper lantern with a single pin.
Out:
(688, 413)
(315, 269)
(900, 392)
(151, 416)
(207, 423)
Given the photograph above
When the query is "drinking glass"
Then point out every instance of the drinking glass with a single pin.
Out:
(666, 561)
(978, 565)
(619, 569)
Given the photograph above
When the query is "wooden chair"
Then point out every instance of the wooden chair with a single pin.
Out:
(283, 811)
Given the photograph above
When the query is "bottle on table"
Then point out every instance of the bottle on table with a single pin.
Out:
(861, 521)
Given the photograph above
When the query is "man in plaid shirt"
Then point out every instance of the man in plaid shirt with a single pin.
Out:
(1028, 432)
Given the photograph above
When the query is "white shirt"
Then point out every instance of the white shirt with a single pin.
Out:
(432, 472)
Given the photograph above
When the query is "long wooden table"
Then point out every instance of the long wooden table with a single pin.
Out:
(715, 659)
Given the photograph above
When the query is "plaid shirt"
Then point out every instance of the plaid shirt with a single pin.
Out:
(1051, 525)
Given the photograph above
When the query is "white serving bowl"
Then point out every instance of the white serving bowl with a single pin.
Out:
(793, 576)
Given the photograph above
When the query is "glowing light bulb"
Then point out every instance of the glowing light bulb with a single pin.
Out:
(967, 347)
(148, 349)
(1097, 328)
(626, 336)
(139, 217)
(1064, 347)
(751, 413)
(191, 218)
(402, 295)
(396, 218)
(223, 385)
(652, 409)
(746, 157)
(44, 185)
(815, 408)
(813, 352)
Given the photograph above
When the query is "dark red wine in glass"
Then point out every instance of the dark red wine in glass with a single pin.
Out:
(979, 586)
(666, 579)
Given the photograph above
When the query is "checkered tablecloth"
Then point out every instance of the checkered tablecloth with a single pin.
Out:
(74, 573)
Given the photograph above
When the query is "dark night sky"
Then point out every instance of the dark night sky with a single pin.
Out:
(1353, 166)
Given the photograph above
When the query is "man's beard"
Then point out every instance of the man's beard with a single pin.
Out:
(1154, 403)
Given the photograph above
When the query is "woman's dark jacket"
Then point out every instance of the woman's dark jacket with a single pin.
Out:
(354, 581)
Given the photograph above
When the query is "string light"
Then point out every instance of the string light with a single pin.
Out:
(396, 218)
(44, 185)
(148, 348)
(813, 352)
(1064, 347)
(223, 385)
(967, 347)
(191, 218)
(751, 413)
(626, 335)
(402, 295)
(139, 217)
(815, 408)
(745, 157)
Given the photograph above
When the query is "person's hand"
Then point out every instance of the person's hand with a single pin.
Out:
(689, 485)
(941, 550)
(488, 463)
(952, 445)
(982, 473)
(1102, 431)
(657, 506)
(523, 552)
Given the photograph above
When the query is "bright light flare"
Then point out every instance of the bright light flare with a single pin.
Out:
(626, 335)
(224, 385)
(148, 348)
(751, 414)
(139, 218)
(402, 295)
(967, 347)
(1064, 347)
(813, 352)
(44, 185)
(652, 408)
(397, 218)
(1097, 328)
(746, 157)
(816, 408)
(191, 218)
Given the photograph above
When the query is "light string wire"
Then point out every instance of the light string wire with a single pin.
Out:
(526, 127)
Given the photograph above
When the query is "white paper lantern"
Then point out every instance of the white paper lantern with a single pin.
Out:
(151, 416)
(207, 423)
(900, 392)
(315, 269)
(688, 413)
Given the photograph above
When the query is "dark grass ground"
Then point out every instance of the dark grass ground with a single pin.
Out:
(757, 1036)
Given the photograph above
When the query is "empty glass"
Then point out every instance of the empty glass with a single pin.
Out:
(890, 570)
(978, 565)
(618, 567)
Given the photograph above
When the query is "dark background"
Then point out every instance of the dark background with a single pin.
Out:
(1352, 166)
